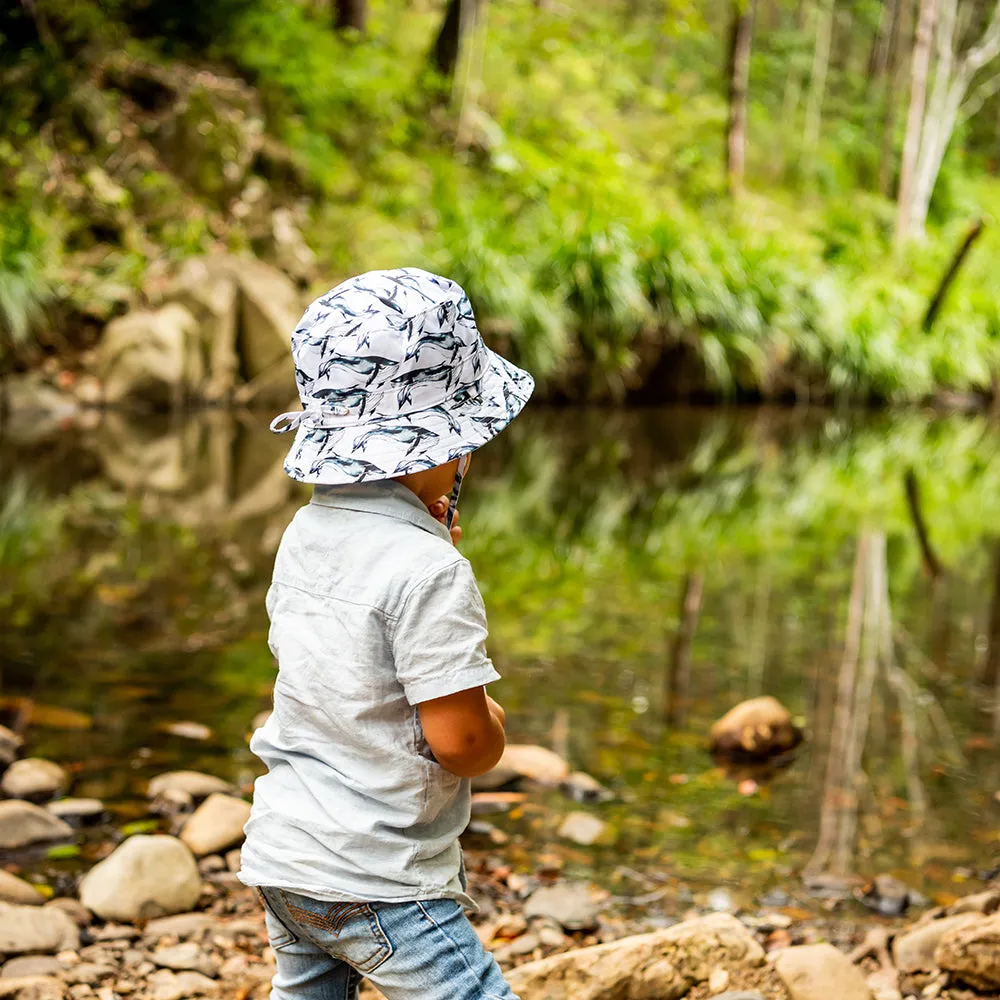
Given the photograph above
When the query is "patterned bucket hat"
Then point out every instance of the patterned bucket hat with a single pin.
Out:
(394, 377)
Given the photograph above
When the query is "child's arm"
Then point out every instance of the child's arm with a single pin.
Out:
(465, 731)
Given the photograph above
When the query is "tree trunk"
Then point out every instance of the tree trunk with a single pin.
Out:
(878, 65)
(448, 45)
(817, 81)
(894, 85)
(920, 67)
(991, 666)
(679, 664)
(740, 37)
(352, 14)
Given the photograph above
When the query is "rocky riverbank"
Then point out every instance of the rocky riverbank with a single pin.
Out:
(156, 911)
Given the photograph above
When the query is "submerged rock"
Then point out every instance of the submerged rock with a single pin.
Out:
(16, 890)
(34, 778)
(665, 964)
(819, 972)
(216, 824)
(31, 929)
(755, 730)
(22, 823)
(971, 953)
(147, 876)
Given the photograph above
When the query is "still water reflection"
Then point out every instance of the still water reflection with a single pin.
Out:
(134, 559)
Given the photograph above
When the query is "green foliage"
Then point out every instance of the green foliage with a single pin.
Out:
(578, 192)
(24, 289)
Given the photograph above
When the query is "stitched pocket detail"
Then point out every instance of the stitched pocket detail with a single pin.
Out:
(363, 947)
(332, 921)
(286, 935)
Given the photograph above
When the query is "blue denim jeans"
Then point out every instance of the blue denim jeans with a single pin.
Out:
(411, 951)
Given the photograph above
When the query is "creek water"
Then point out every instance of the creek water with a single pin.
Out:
(135, 553)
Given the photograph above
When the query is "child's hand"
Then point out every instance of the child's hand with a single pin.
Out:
(439, 511)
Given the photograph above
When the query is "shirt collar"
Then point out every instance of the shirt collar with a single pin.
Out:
(386, 497)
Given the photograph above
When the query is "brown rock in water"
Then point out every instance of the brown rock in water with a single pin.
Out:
(971, 953)
(820, 972)
(914, 949)
(664, 965)
(756, 729)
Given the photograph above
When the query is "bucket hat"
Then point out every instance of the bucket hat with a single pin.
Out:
(394, 377)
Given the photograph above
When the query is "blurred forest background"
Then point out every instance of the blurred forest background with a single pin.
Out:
(645, 198)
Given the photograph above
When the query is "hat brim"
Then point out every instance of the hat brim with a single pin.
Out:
(388, 447)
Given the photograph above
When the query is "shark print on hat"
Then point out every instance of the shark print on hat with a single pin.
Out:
(394, 377)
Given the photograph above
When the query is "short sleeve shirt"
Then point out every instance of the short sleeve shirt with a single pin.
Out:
(372, 611)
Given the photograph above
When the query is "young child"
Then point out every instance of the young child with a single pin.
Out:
(380, 709)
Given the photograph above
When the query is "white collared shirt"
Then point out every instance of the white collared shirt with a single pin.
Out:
(372, 611)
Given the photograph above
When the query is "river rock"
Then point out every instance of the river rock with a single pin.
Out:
(31, 988)
(73, 908)
(971, 953)
(755, 729)
(582, 828)
(151, 357)
(522, 760)
(185, 956)
(16, 890)
(570, 904)
(76, 809)
(183, 925)
(34, 778)
(31, 965)
(32, 929)
(167, 985)
(194, 783)
(820, 971)
(913, 950)
(10, 743)
(665, 964)
(22, 823)
(216, 824)
(147, 876)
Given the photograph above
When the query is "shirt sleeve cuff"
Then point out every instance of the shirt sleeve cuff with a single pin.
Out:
(446, 684)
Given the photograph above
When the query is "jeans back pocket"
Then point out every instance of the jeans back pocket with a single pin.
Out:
(349, 930)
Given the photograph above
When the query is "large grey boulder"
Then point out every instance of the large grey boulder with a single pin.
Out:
(23, 823)
(664, 965)
(34, 778)
(151, 358)
(216, 824)
(207, 288)
(146, 877)
(30, 929)
(270, 309)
